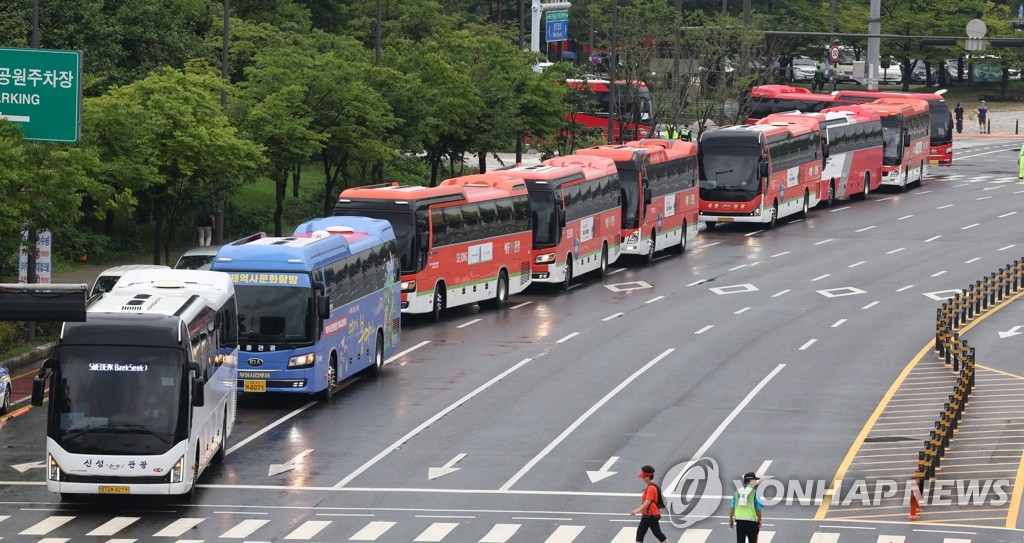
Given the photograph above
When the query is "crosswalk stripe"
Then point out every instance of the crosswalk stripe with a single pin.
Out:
(765, 536)
(55, 540)
(564, 534)
(824, 537)
(500, 533)
(122, 540)
(308, 529)
(190, 541)
(245, 528)
(436, 531)
(178, 527)
(955, 540)
(625, 535)
(891, 539)
(4, 517)
(114, 525)
(372, 531)
(694, 535)
(44, 526)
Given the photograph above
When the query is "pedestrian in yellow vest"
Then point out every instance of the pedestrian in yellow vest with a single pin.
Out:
(746, 510)
(1020, 164)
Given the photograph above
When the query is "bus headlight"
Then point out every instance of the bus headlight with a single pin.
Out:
(408, 286)
(545, 259)
(757, 210)
(178, 470)
(54, 471)
(633, 237)
(301, 361)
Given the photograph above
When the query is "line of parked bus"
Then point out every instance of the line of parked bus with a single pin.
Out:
(300, 313)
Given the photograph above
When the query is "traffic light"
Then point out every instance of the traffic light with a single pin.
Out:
(938, 41)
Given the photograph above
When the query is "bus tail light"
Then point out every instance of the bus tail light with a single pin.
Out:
(302, 361)
(178, 470)
(54, 471)
(408, 286)
(545, 259)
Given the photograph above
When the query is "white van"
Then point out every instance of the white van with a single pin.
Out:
(106, 280)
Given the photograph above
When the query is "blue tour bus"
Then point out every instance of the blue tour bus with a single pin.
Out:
(314, 307)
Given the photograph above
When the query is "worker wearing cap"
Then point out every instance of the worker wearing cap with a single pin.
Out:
(746, 510)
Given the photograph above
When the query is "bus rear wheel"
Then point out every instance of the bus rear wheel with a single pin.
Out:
(378, 357)
(438, 303)
(332, 379)
(500, 292)
(681, 248)
(867, 187)
(603, 268)
(5, 402)
(218, 457)
(806, 207)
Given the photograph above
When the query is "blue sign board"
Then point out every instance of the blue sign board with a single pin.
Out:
(557, 27)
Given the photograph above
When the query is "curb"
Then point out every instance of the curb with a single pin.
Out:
(33, 358)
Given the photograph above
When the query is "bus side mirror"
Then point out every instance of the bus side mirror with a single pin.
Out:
(647, 195)
(824, 150)
(39, 382)
(763, 168)
(323, 307)
(561, 218)
(422, 235)
(198, 392)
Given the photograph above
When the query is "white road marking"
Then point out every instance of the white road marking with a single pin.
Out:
(308, 529)
(568, 337)
(865, 229)
(372, 531)
(1004, 215)
(891, 539)
(820, 277)
(565, 534)
(526, 303)
(872, 304)
(779, 254)
(901, 289)
(844, 208)
(693, 535)
(178, 527)
(945, 206)
(754, 233)
(425, 424)
(933, 238)
(894, 251)
(697, 282)
(765, 537)
(655, 299)
(823, 241)
(274, 424)
(973, 260)
(780, 293)
(612, 316)
(960, 185)
(741, 266)
(923, 192)
(808, 344)
(884, 199)
(982, 198)
(708, 245)
(838, 323)
(243, 529)
(904, 217)
(582, 418)
(625, 535)
(616, 270)
(407, 351)
(45, 526)
(763, 468)
(1007, 247)
(745, 309)
(971, 226)
(500, 533)
(465, 324)
(114, 525)
(855, 264)
(938, 273)
(824, 537)
(436, 531)
(705, 329)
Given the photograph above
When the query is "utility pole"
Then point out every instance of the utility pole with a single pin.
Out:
(875, 28)
(613, 64)
(218, 232)
(376, 56)
(522, 41)
(30, 273)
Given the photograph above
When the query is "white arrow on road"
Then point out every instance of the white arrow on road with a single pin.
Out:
(22, 468)
(434, 473)
(289, 465)
(1015, 331)
(603, 473)
(16, 118)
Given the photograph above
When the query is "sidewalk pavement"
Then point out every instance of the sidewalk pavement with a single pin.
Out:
(1000, 123)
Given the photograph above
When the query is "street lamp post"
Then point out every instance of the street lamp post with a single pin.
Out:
(613, 61)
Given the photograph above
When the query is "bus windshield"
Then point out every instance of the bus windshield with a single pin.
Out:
(404, 225)
(119, 399)
(942, 123)
(279, 315)
(546, 228)
(892, 150)
(725, 170)
(629, 182)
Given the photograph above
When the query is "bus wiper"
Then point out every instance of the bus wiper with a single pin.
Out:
(75, 434)
(135, 428)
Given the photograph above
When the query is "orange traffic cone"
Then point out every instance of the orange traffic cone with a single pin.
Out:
(915, 505)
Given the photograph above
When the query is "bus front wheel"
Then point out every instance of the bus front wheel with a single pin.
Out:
(567, 278)
(378, 357)
(774, 218)
(649, 258)
(332, 379)
(438, 302)
(831, 194)
(218, 457)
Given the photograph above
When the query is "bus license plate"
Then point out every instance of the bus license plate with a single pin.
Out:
(725, 219)
(254, 386)
(115, 489)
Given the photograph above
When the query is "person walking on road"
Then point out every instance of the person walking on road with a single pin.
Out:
(958, 112)
(746, 510)
(982, 116)
(650, 514)
(1020, 165)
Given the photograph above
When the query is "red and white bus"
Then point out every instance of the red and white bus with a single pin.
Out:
(659, 194)
(575, 205)
(768, 99)
(634, 107)
(905, 135)
(465, 241)
(760, 173)
(940, 148)
(852, 145)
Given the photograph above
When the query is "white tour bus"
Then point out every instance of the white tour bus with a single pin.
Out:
(142, 394)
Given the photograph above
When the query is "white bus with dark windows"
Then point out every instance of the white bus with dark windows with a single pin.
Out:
(142, 393)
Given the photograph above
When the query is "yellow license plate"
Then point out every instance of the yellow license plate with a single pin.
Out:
(115, 489)
(725, 219)
(254, 386)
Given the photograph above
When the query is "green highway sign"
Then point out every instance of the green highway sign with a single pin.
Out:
(41, 90)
